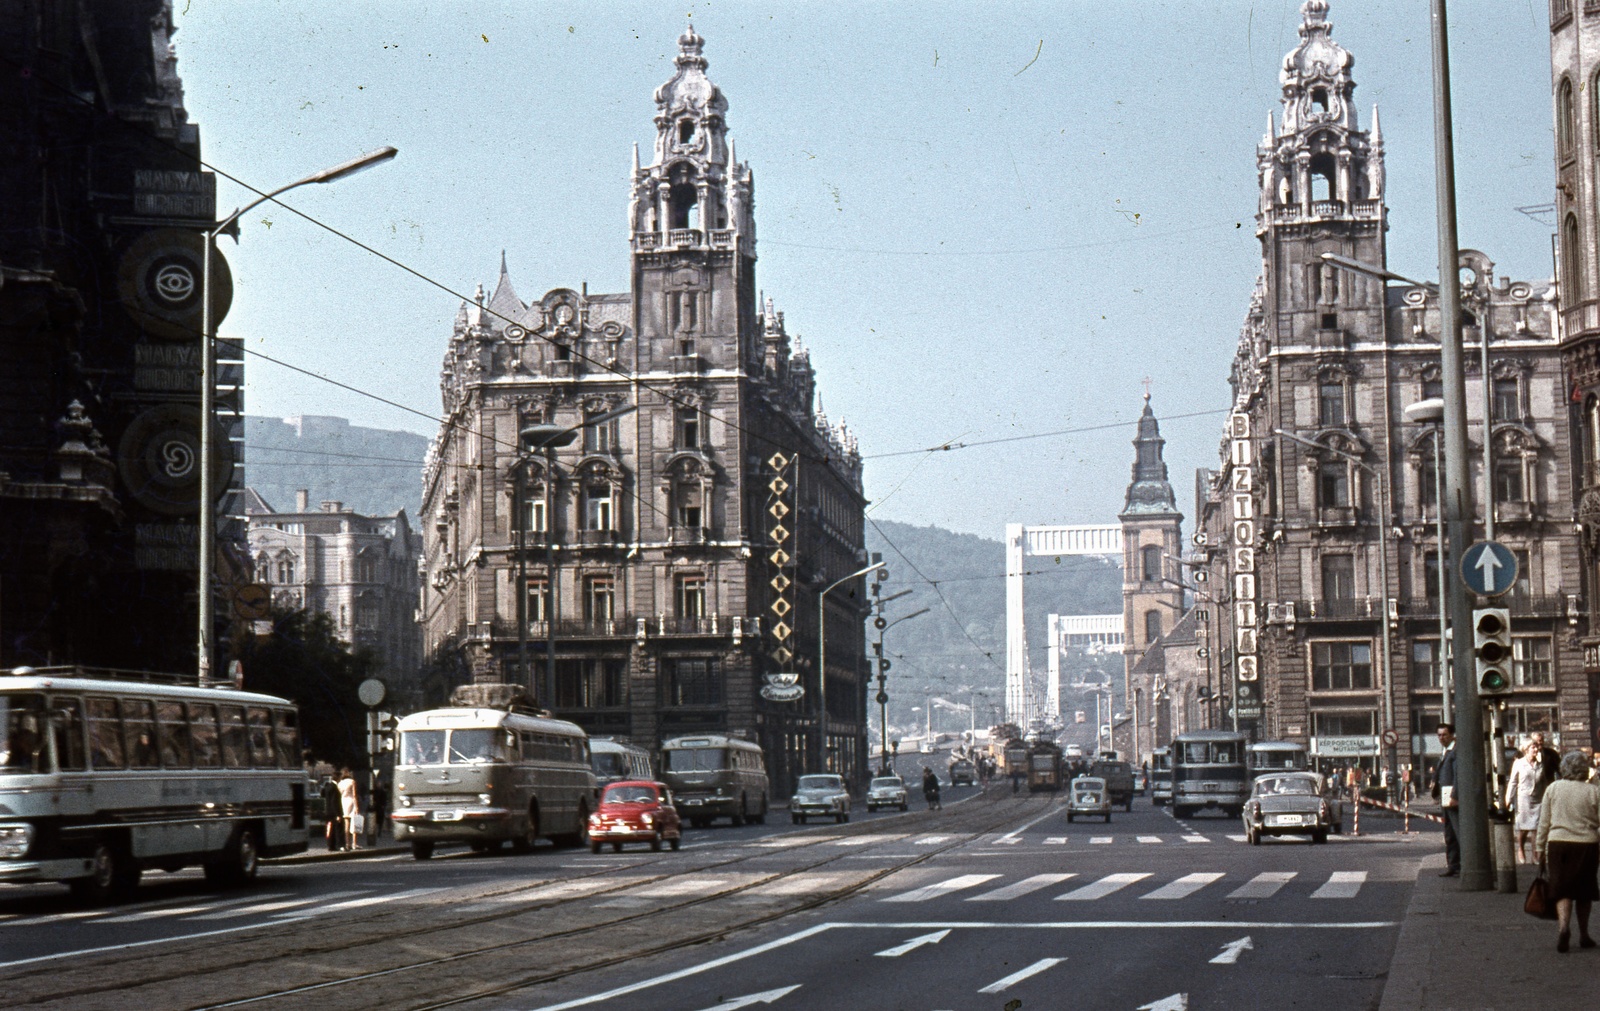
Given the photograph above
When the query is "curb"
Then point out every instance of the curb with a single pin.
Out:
(326, 856)
(1410, 967)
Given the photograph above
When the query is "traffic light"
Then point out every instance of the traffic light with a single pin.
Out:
(385, 731)
(1491, 650)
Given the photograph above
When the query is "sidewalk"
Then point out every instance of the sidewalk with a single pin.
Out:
(1469, 950)
(319, 853)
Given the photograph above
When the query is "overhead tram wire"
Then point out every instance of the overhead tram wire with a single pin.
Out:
(952, 446)
(987, 654)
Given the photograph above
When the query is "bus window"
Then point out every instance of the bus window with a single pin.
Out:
(203, 730)
(172, 735)
(235, 750)
(105, 734)
(1222, 753)
(472, 746)
(609, 765)
(694, 760)
(1196, 753)
(259, 723)
(422, 747)
(21, 743)
(139, 721)
(68, 726)
(288, 739)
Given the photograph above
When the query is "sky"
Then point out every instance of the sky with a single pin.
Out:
(991, 226)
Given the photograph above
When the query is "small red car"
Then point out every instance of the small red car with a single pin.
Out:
(635, 810)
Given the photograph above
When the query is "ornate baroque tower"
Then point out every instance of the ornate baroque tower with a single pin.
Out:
(1152, 593)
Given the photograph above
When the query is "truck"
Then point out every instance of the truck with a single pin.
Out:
(1119, 780)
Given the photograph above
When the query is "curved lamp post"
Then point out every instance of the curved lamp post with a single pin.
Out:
(822, 661)
(547, 438)
(208, 341)
(883, 679)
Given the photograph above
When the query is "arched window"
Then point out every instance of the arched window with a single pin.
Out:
(1566, 125)
(1319, 99)
(1324, 178)
(1571, 262)
(1150, 563)
(1152, 626)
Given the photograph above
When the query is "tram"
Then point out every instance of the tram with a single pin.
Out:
(1045, 767)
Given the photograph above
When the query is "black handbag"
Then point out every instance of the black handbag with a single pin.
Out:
(1538, 903)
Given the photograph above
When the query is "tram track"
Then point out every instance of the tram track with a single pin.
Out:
(436, 935)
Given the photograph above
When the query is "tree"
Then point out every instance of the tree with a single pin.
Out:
(303, 660)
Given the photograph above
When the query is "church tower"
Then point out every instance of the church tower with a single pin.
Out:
(1322, 191)
(693, 231)
(1152, 593)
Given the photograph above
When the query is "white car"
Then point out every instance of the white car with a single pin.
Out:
(820, 796)
(886, 791)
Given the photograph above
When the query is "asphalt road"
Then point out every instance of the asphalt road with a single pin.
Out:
(993, 900)
(1146, 913)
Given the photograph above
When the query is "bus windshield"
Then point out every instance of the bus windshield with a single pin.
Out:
(21, 737)
(467, 747)
(694, 760)
(1279, 758)
(1209, 753)
(608, 763)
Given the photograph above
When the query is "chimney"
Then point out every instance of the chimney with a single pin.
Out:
(332, 506)
(302, 500)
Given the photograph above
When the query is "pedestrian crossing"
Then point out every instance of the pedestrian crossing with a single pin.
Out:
(1264, 885)
(275, 906)
(1186, 838)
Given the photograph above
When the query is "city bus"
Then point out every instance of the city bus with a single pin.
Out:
(614, 761)
(486, 777)
(105, 774)
(1263, 757)
(1208, 771)
(713, 776)
(1161, 777)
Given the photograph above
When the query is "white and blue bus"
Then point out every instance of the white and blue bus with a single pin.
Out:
(103, 776)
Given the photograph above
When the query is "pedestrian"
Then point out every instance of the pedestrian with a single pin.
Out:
(379, 812)
(332, 814)
(1523, 793)
(1568, 846)
(350, 806)
(930, 789)
(1549, 763)
(1016, 779)
(1444, 786)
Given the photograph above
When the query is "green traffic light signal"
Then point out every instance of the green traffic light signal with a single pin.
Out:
(1493, 680)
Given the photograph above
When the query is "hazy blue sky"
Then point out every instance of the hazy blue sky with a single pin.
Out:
(985, 220)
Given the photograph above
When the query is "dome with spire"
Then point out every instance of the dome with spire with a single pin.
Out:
(1149, 493)
(1316, 80)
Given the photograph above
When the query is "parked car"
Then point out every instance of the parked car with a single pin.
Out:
(1088, 797)
(963, 773)
(820, 795)
(1291, 803)
(635, 811)
(886, 791)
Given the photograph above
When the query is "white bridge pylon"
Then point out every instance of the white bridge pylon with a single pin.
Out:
(1023, 542)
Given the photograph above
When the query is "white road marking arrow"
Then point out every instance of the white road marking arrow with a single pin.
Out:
(914, 943)
(1231, 951)
(1487, 563)
(1177, 1002)
(765, 997)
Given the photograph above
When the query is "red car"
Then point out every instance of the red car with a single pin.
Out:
(635, 810)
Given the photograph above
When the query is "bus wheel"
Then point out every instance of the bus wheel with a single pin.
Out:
(239, 861)
(111, 877)
(525, 842)
(421, 850)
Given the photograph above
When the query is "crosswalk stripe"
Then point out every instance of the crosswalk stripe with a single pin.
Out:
(1149, 839)
(1021, 888)
(1236, 838)
(1195, 838)
(1263, 886)
(1056, 840)
(1100, 840)
(939, 888)
(151, 914)
(1006, 982)
(1100, 889)
(1010, 840)
(370, 900)
(1341, 885)
(930, 840)
(1184, 886)
(273, 907)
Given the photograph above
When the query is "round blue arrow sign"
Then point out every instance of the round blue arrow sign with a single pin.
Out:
(1489, 568)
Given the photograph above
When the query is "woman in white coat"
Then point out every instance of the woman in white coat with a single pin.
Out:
(1520, 788)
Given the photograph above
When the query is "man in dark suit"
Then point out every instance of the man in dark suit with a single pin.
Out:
(1444, 788)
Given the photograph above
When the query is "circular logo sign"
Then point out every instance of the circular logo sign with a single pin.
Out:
(158, 458)
(371, 692)
(160, 276)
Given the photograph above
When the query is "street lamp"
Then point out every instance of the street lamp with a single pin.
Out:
(883, 675)
(549, 438)
(822, 661)
(207, 535)
(1431, 411)
(1384, 520)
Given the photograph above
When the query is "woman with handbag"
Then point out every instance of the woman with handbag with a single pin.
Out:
(1568, 844)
